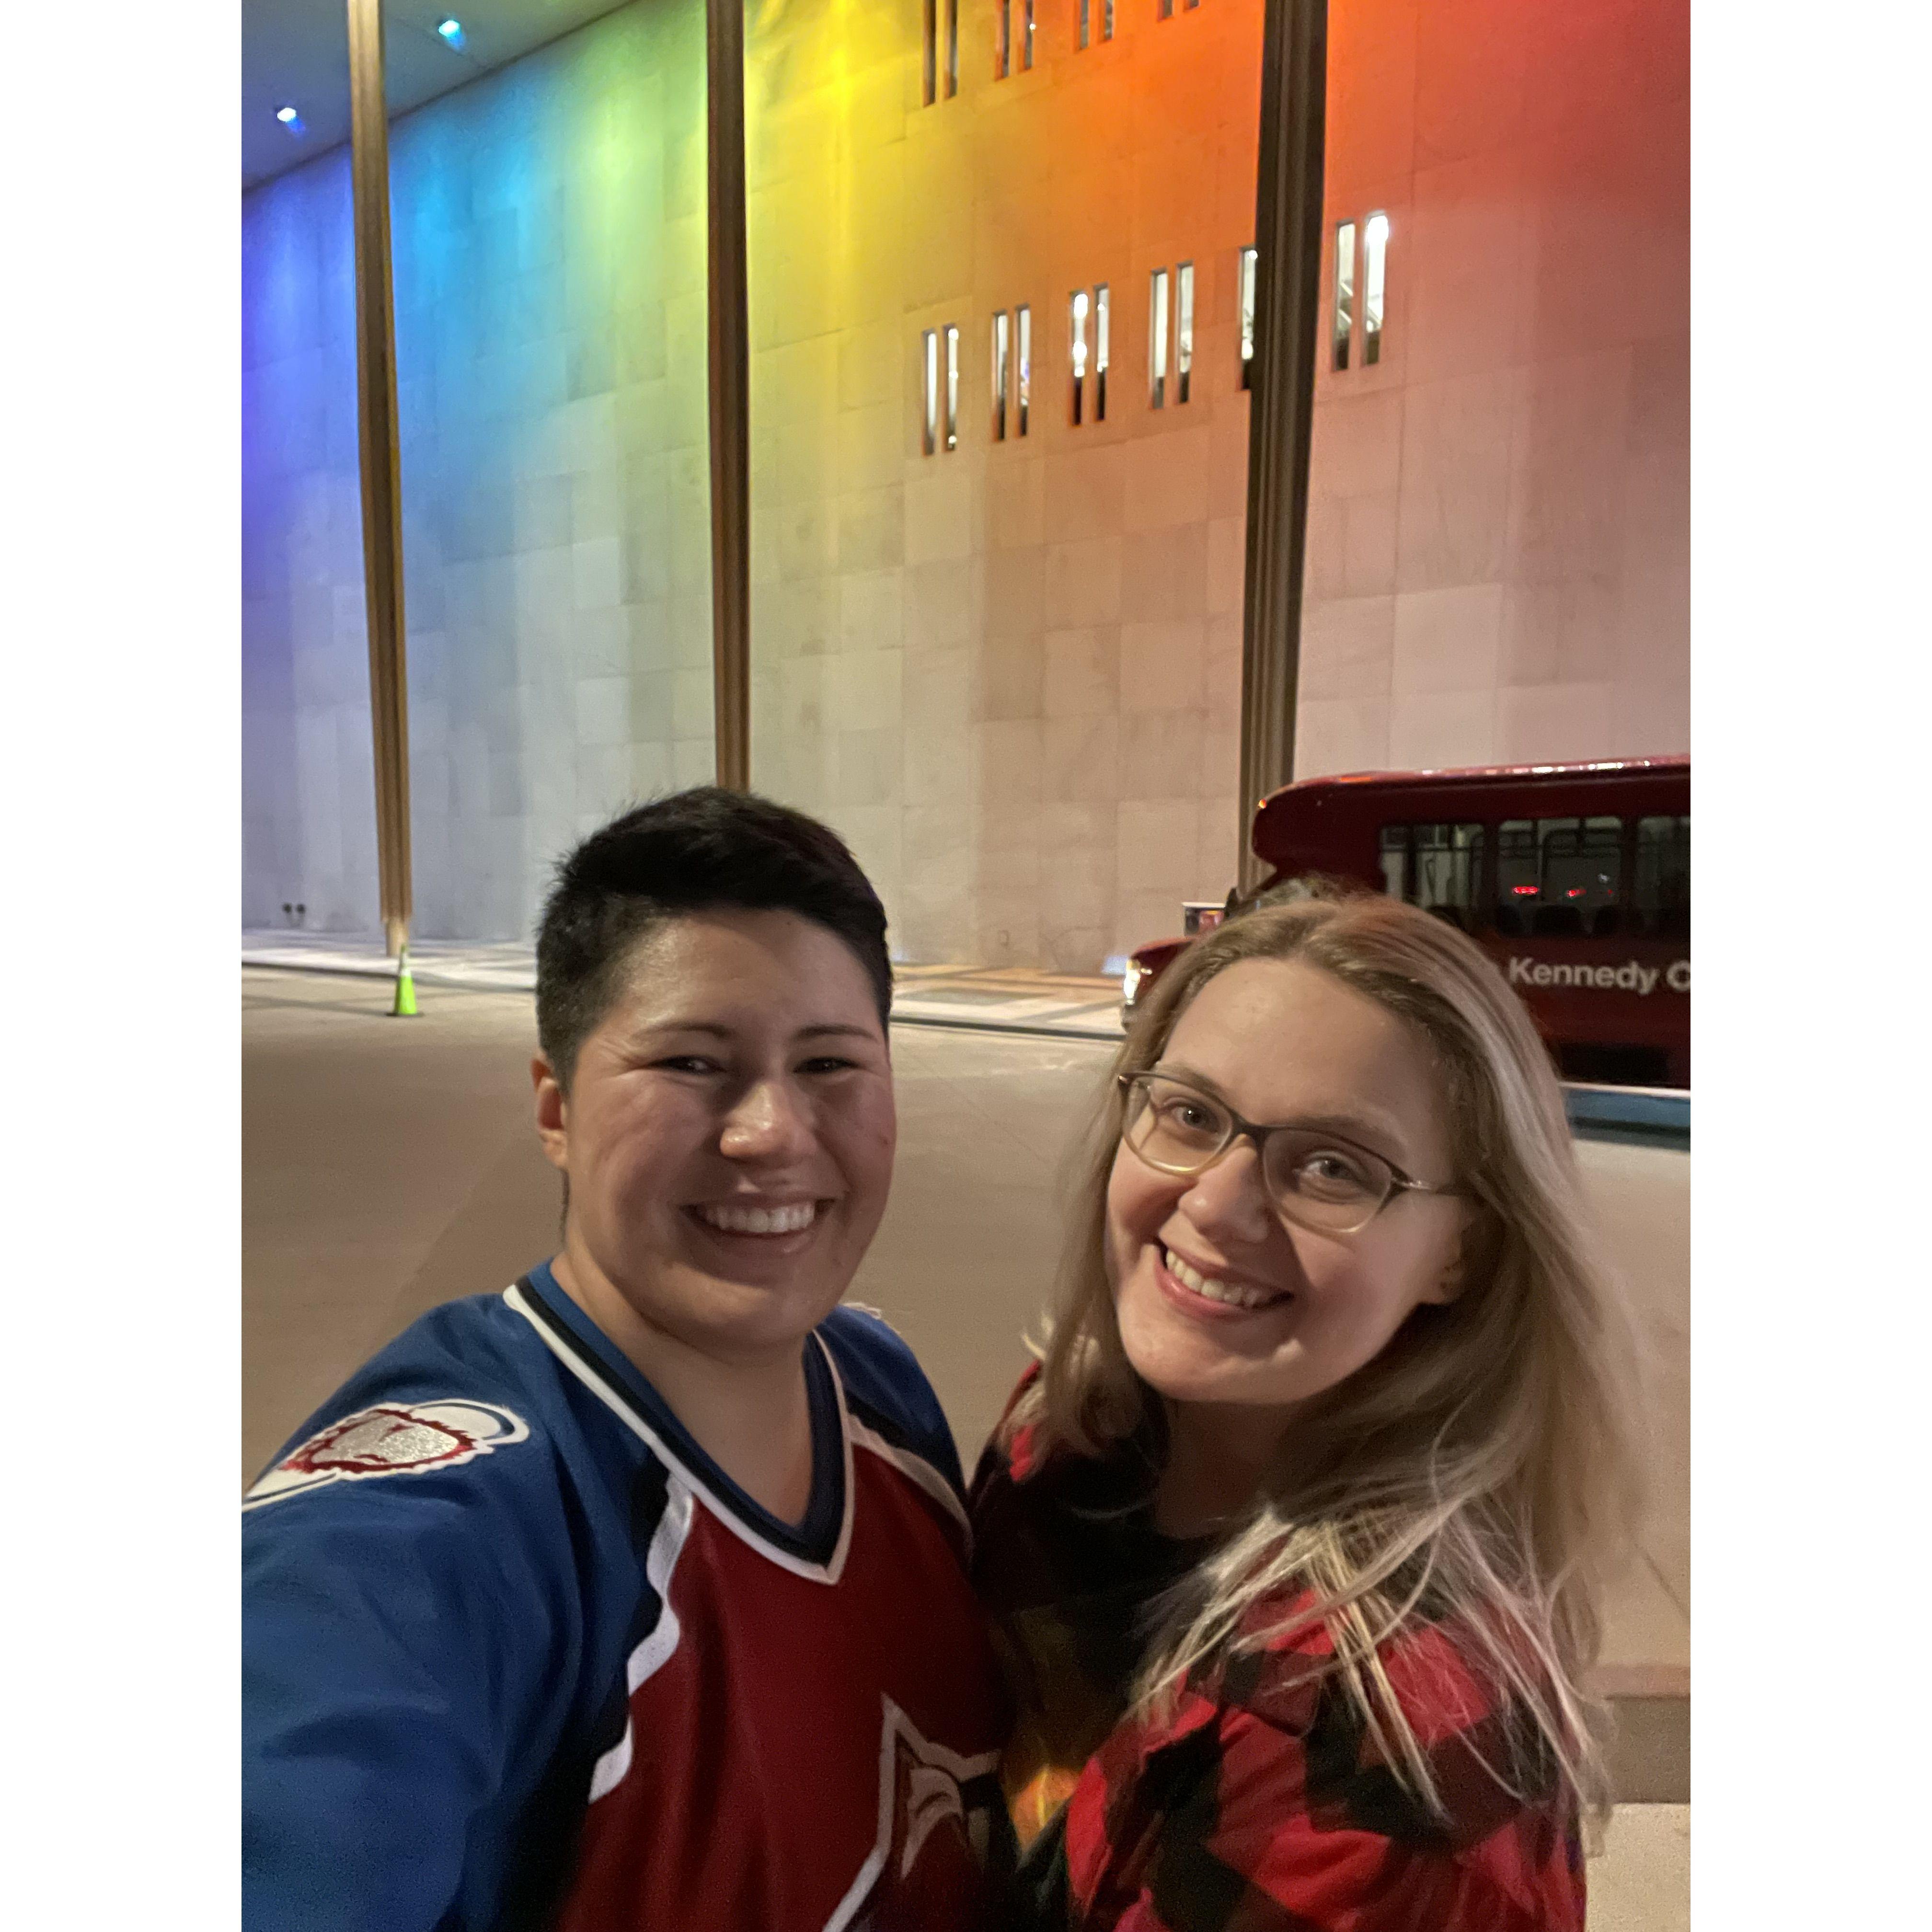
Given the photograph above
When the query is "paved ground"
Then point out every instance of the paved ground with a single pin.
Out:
(391, 1165)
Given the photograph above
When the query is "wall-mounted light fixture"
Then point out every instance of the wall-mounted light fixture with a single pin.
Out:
(451, 30)
(291, 120)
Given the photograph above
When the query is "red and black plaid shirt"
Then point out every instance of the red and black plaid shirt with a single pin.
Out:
(1259, 1803)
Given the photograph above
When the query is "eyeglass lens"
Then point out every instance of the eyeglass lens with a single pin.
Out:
(1322, 1182)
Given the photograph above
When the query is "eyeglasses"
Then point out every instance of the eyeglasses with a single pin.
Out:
(1317, 1179)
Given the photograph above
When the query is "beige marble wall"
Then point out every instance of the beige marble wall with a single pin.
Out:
(1499, 559)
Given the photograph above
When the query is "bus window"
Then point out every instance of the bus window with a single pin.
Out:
(1395, 850)
(1660, 893)
(1580, 873)
(1437, 867)
(1516, 875)
(1448, 870)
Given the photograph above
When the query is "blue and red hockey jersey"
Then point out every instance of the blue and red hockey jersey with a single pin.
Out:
(517, 1652)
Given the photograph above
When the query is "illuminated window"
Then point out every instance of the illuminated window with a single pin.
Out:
(1100, 353)
(1660, 891)
(1023, 321)
(1244, 297)
(1559, 876)
(1359, 300)
(952, 48)
(930, 344)
(1002, 56)
(929, 50)
(1026, 38)
(1437, 867)
(1183, 328)
(1002, 372)
(1375, 276)
(1345, 291)
(1077, 307)
(1157, 339)
(952, 387)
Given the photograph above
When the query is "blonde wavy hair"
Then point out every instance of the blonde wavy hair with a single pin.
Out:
(1479, 1474)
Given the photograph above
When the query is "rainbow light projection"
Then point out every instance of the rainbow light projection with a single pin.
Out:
(549, 245)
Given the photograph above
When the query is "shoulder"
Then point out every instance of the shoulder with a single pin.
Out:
(466, 1404)
(886, 1392)
(1299, 1796)
(1503, 1810)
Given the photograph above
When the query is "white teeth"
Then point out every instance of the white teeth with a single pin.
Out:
(789, 1220)
(1241, 1297)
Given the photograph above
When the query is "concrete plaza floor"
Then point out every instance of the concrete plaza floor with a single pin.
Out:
(391, 1165)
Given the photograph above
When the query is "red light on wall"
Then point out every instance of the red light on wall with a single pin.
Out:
(1524, 891)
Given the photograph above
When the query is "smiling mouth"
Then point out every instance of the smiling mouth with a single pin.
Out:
(789, 1217)
(1229, 1294)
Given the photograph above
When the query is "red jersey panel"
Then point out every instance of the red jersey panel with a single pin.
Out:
(826, 1755)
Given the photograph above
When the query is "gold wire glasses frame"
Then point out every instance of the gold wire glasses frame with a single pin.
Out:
(1319, 1179)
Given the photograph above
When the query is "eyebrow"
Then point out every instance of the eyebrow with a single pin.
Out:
(825, 1029)
(1367, 1129)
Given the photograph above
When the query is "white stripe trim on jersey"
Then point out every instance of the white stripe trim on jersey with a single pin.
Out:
(828, 1572)
(918, 1471)
(660, 1561)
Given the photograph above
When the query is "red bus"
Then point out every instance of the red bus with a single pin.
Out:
(1575, 879)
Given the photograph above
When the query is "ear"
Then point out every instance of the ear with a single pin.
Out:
(1464, 1258)
(553, 1113)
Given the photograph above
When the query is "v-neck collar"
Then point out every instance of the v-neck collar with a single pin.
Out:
(815, 1547)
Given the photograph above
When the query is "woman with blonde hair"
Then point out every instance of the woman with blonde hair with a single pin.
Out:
(1294, 1539)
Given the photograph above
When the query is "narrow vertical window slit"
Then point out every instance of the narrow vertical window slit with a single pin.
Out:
(930, 346)
(1001, 374)
(1183, 329)
(1100, 353)
(1345, 291)
(1157, 339)
(1025, 326)
(1374, 278)
(1077, 334)
(1246, 298)
(952, 386)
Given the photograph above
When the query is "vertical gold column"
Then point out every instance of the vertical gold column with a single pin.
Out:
(381, 487)
(730, 427)
(1288, 238)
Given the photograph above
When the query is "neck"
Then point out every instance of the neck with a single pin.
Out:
(1217, 1455)
(748, 1412)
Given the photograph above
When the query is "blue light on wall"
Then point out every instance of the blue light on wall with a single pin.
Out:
(291, 120)
(451, 30)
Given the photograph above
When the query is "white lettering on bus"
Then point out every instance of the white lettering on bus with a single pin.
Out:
(1631, 977)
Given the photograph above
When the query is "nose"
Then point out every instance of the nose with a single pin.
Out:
(770, 1120)
(1230, 1198)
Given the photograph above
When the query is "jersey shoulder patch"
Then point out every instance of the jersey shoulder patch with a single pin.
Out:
(390, 1438)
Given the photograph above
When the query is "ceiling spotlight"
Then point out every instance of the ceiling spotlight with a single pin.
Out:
(290, 119)
(451, 30)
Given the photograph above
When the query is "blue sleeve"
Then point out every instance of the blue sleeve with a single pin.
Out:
(884, 1381)
(399, 1639)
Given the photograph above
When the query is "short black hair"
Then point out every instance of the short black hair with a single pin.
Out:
(698, 851)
